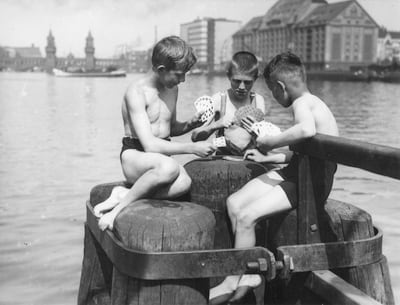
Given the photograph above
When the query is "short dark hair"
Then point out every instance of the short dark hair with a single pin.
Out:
(244, 62)
(174, 53)
(286, 63)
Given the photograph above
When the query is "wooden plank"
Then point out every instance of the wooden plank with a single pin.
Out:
(335, 290)
(308, 231)
(378, 159)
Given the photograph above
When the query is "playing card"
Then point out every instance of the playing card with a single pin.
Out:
(219, 142)
(248, 110)
(264, 128)
(205, 103)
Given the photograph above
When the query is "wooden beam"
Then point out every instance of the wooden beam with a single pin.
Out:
(307, 210)
(335, 290)
(378, 159)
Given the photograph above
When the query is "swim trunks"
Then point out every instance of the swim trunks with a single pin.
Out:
(133, 143)
(322, 175)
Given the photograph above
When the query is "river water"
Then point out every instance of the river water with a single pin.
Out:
(60, 137)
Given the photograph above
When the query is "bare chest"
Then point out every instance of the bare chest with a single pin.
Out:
(159, 108)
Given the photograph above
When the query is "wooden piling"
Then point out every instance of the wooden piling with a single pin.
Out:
(147, 225)
(342, 222)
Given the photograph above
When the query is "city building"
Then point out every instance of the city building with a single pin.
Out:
(21, 58)
(211, 38)
(326, 36)
(31, 59)
(388, 46)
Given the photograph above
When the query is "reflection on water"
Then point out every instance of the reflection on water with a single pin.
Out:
(60, 137)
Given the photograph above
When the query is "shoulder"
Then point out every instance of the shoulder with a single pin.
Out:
(139, 91)
(259, 101)
(217, 98)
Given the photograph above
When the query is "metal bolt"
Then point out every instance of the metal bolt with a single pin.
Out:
(313, 228)
(253, 265)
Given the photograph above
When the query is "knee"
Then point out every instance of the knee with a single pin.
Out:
(233, 205)
(183, 183)
(245, 220)
(167, 171)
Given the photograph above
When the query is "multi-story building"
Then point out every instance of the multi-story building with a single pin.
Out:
(388, 46)
(21, 58)
(326, 36)
(211, 38)
(30, 58)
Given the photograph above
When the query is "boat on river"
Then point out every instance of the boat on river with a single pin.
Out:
(116, 73)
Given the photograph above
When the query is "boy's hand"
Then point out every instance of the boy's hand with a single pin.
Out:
(203, 148)
(254, 155)
(247, 124)
(224, 122)
(196, 120)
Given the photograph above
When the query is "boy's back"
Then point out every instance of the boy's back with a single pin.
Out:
(323, 118)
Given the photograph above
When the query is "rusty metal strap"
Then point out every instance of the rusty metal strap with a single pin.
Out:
(324, 256)
(183, 264)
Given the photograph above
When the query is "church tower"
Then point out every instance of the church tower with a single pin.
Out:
(51, 60)
(89, 51)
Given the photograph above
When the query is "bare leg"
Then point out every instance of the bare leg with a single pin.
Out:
(251, 191)
(273, 202)
(148, 172)
(256, 190)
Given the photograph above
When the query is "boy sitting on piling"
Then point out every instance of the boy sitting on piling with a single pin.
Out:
(276, 191)
(242, 72)
(149, 117)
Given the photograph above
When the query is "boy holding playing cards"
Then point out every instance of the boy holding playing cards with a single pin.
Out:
(149, 117)
(242, 72)
(276, 191)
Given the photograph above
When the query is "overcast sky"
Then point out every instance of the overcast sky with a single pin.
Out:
(117, 22)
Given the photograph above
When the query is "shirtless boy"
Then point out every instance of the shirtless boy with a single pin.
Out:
(276, 191)
(149, 117)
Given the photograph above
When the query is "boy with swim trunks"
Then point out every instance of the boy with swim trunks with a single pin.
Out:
(276, 191)
(149, 117)
(242, 72)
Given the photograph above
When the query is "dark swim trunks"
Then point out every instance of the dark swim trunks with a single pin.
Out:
(132, 143)
(322, 175)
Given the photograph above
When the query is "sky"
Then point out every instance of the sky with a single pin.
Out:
(117, 22)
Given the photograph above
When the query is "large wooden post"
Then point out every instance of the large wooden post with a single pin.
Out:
(163, 226)
(317, 221)
(147, 225)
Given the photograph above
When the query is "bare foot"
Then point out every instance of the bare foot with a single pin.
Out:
(117, 194)
(224, 291)
(247, 282)
(106, 221)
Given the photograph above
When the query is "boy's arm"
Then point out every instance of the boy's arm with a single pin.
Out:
(303, 128)
(276, 157)
(180, 128)
(204, 132)
(136, 107)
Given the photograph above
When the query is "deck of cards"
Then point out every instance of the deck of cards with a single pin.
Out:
(205, 103)
(219, 142)
(264, 128)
